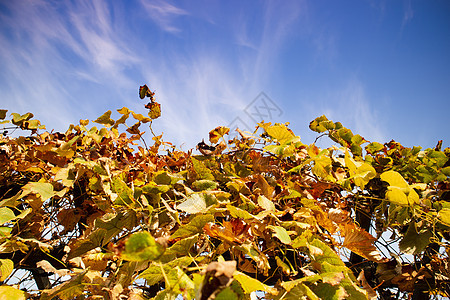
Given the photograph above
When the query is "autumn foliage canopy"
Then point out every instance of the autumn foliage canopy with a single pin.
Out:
(98, 212)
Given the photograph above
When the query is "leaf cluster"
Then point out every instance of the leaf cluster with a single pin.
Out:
(260, 212)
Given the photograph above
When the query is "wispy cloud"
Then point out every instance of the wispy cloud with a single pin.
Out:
(351, 106)
(50, 51)
(163, 13)
(70, 60)
(408, 13)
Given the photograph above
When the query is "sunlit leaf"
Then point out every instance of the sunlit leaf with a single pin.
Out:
(183, 246)
(141, 246)
(11, 293)
(6, 268)
(154, 110)
(360, 242)
(444, 216)
(193, 204)
(217, 133)
(394, 179)
(202, 185)
(250, 284)
(105, 119)
(140, 117)
(239, 213)
(6, 215)
(266, 203)
(153, 274)
(202, 171)
(68, 290)
(193, 227)
(281, 234)
(44, 189)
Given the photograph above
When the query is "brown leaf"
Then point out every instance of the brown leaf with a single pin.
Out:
(218, 275)
(360, 242)
(69, 218)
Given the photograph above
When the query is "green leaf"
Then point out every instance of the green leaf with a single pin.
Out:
(202, 185)
(202, 171)
(153, 188)
(5, 231)
(105, 119)
(193, 204)
(414, 242)
(6, 215)
(239, 213)
(44, 189)
(281, 234)
(329, 292)
(10, 293)
(153, 274)
(317, 126)
(68, 290)
(327, 255)
(6, 268)
(19, 119)
(154, 110)
(179, 281)
(227, 294)
(374, 147)
(141, 246)
(183, 246)
(193, 227)
(124, 193)
(250, 284)
(301, 291)
(446, 171)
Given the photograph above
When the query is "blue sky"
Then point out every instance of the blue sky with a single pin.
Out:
(382, 68)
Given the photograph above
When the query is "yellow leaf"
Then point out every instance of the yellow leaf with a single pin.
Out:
(10, 293)
(6, 267)
(281, 133)
(394, 179)
(444, 216)
(250, 284)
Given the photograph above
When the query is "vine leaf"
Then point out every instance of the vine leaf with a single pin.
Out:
(141, 246)
(250, 284)
(360, 241)
(105, 119)
(11, 293)
(6, 268)
(281, 234)
(68, 290)
(415, 242)
(193, 204)
(217, 133)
